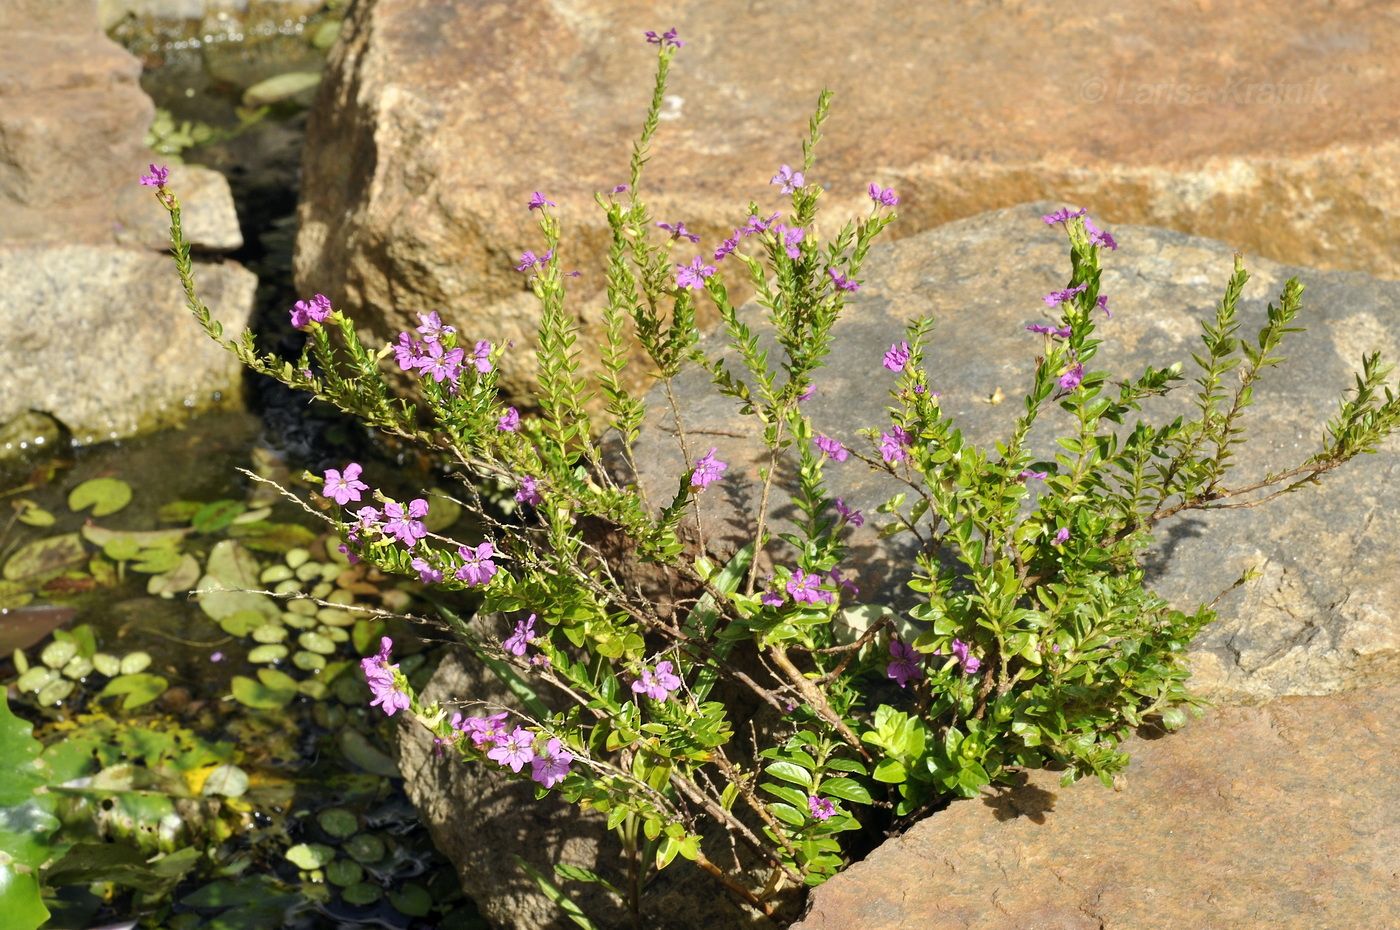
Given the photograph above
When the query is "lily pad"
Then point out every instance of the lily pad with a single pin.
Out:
(270, 633)
(77, 668)
(252, 516)
(362, 753)
(338, 822)
(107, 664)
(104, 495)
(148, 539)
(45, 557)
(218, 604)
(255, 694)
(296, 558)
(58, 653)
(412, 899)
(362, 893)
(315, 642)
(242, 623)
(36, 679)
(178, 511)
(275, 574)
(344, 872)
(156, 561)
(230, 781)
(268, 653)
(233, 566)
(134, 662)
(310, 856)
(309, 661)
(179, 580)
(55, 692)
(34, 515)
(272, 537)
(365, 848)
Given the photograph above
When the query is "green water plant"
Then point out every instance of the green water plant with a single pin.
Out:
(749, 722)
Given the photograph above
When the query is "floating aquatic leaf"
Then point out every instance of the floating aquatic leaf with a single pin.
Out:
(179, 580)
(267, 653)
(344, 872)
(362, 893)
(310, 856)
(104, 495)
(365, 848)
(103, 571)
(230, 781)
(306, 607)
(296, 558)
(107, 664)
(58, 653)
(274, 574)
(335, 634)
(252, 516)
(13, 595)
(213, 517)
(332, 617)
(280, 681)
(45, 557)
(309, 661)
(242, 623)
(412, 899)
(309, 571)
(55, 691)
(233, 566)
(272, 537)
(338, 822)
(226, 893)
(32, 514)
(363, 754)
(259, 696)
(178, 511)
(313, 688)
(137, 689)
(148, 539)
(122, 549)
(36, 678)
(218, 604)
(316, 642)
(134, 662)
(156, 561)
(77, 668)
(270, 633)
(299, 621)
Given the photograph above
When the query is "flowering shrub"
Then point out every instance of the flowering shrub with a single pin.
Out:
(1036, 640)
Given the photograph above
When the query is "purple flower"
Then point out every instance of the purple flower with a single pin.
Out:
(970, 664)
(549, 767)
(379, 675)
(1098, 236)
(897, 356)
(515, 750)
(790, 237)
(831, 448)
(884, 196)
(406, 525)
(842, 582)
(482, 730)
(1055, 298)
(529, 492)
(519, 641)
(408, 352)
(431, 327)
(539, 201)
(708, 470)
(789, 179)
(315, 310)
(726, 248)
(893, 445)
(807, 394)
(842, 282)
(657, 684)
(1059, 333)
(1037, 475)
(620, 189)
(481, 357)
(344, 487)
(477, 567)
(1071, 379)
(1102, 304)
(159, 176)
(529, 259)
(427, 573)
(772, 598)
(216, 656)
(367, 520)
(693, 275)
(1061, 536)
(904, 666)
(754, 225)
(806, 588)
(678, 231)
(821, 808)
(1062, 216)
(441, 365)
(509, 421)
(853, 517)
(667, 38)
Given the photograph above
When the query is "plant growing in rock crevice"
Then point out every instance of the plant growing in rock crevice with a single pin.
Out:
(1037, 640)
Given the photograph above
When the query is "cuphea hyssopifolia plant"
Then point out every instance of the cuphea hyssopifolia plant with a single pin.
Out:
(742, 726)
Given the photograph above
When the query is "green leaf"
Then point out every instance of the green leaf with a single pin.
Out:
(846, 789)
(45, 557)
(226, 893)
(890, 771)
(412, 899)
(551, 891)
(137, 689)
(310, 856)
(267, 653)
(34, 515)
(230, 781)
(20, 900)
(338, 822)
(787, 813)
(790, 771)
(363, 754)
(362, 893)
(365, 848)
(344, 872)
(213, 517)
(104, 495)
(258, 696)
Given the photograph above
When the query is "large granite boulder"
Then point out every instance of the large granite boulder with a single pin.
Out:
(95, 331)
(436, 121)
(1281, 817)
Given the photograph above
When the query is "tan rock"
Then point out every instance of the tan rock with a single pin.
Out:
(1278, 135)
(1280, 817)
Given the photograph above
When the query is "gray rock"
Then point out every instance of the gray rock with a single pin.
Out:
(1324, 614)
(1280, 817)
(99, 338)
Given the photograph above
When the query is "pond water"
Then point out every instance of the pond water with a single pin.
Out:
(227, 730)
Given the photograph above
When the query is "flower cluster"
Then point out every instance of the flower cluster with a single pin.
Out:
(516, 748)
(316, 310)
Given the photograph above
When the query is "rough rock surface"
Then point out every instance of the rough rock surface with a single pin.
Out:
(95, 330)
(437, 120)
(1324, 614)
(99, 337)
(481, 820)
(1280, 817)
